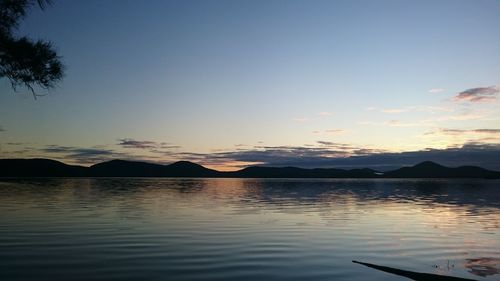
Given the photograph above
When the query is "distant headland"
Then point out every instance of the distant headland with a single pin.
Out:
(122, 168)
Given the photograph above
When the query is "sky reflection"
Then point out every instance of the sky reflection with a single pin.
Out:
(419, 225)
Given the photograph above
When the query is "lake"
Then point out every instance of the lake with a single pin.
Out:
(246, 229)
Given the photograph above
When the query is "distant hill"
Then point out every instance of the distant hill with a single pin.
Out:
(293, 172)
(39, 168)
(430, 169)
(122, 168)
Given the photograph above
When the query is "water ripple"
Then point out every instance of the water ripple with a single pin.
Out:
(246, 229)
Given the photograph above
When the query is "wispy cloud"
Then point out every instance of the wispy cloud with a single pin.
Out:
(321, 154)
(324, 114)
(396, 110)
(92, 155)
(488, 131)
(331, 154)
(126, 149)
(427, 109)
(308, 155)
(300, 119)
(131, 143)
(436, 90)
(456, 137)
(396, 123)
(471, 131)
(414, 108)
(303, 119)
(144, 144)
(302, 156)
(481, 94)
(335, 132)
(451, 115)
(338, 146)
(331, 132)
(464, 116)
(81, 154)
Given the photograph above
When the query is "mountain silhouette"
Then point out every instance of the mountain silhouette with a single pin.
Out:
(293, 172)
(123, 168)
(39, 168)
(430, 169)
(189, 169)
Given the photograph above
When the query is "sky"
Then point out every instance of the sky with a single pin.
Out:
(229, 84)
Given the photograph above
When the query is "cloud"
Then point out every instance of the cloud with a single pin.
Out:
(481, 94)
(451, 115)
(57, 149)
(300, 119)
(322, 154)
(331, 132)
(148, 145)
(281, 155)
(91, 155)
(396, 110)
(436, 90)
(336, 145)
(335, 132)
(81, 155)
(414, 108)
(324, 114)
(419, 108)
(319, 155)
(472, 131)
(475, 115)
(131, 143)
(347, 156)
(396, 123)
(2, 129)
(85, 153)
(488, 131)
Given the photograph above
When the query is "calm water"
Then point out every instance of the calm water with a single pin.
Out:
(246, 229)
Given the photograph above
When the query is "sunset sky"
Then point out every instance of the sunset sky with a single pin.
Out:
(233, 83)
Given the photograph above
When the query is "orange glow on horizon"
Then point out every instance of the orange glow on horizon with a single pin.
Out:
(231, 166)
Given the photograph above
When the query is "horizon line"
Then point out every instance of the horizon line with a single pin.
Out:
(241, 169)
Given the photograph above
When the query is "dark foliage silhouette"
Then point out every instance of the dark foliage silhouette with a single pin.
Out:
(23, 61)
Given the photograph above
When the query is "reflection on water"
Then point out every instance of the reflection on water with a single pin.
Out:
(246, 229)
(483, 266)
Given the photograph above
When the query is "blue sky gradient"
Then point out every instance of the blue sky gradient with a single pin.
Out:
(210, 76)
